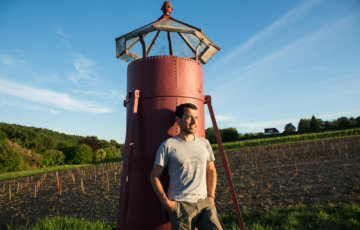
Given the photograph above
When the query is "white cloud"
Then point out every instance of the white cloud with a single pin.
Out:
(327, 116)
(47, 97)
(287, 51)
(84, 70)
(61, 33)
(291, 16)
(220, 117)
(261, 125)
(10, 61)
(110, 94)
(280, 124)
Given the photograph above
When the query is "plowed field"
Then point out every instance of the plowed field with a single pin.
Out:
(315, 172)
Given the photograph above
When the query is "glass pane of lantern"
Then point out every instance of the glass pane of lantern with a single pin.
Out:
(143, 30)
(174, 25)
(149, 38)
(202, 47)
(193, 40)
(136, 49)
(180, 48)
(161, 46)
(131, 41)
(120, 46)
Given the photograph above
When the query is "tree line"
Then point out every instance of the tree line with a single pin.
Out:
(304, 126)
(23, 148)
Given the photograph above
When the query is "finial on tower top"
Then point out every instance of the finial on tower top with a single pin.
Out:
(166, 8)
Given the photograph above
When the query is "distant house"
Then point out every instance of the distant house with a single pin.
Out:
(269, 131)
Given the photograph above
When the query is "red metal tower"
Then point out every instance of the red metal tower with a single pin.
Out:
(165, 71)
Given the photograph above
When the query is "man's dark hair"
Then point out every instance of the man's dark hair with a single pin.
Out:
(179, 112)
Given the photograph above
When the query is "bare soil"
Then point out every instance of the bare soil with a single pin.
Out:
(315, 172)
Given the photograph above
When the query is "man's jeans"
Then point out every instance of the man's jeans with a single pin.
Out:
(188, 215)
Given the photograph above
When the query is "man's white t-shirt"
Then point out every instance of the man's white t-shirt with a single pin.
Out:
(186, 161)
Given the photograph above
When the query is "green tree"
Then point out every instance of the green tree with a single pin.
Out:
(289, 128)
(353, 122)
(116, 151)
(49, 142)
(315, 124)
(10, 160)
(99, 155)
(83, 154)
(104, 144)
(51, 158)
(115, 144)
(343, 122)
(93, 142)
(358, 121)
(109, 154)
(304, 126)
(330, 125)
(3, 136)
(210, 135)
(229, 134)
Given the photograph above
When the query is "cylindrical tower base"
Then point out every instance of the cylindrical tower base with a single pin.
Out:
(164, 83)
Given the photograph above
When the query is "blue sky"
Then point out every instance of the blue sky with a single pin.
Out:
(280, 61)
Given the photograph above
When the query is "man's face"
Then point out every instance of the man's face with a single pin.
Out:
(188, 122)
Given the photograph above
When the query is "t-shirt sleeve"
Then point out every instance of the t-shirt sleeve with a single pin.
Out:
(161, 155)
(211, 156)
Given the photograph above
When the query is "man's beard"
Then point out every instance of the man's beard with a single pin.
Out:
(190, 130)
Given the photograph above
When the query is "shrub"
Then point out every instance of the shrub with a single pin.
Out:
(2, 136)
(10, 160)
(99, 155)
(51, 158)
(229, 134)
(109, 154)
(116, 152)
(210, 135)
(93, 142)
(289, 128)
(29, 157)
(82, 154)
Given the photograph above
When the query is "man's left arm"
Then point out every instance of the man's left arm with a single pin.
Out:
(211, 180)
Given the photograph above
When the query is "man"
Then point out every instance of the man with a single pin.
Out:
(192, 173)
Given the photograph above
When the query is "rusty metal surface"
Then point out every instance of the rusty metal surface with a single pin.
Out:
(164, 83)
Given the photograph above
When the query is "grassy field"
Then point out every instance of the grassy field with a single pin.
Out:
(37, 171)
(345, 216)
(287, 139)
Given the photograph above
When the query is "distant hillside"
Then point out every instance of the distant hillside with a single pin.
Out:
(23, 147)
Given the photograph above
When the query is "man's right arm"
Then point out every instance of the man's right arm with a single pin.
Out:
(158, 188)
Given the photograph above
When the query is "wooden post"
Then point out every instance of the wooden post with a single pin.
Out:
(108, 183)
(57, 179)
(82, 186)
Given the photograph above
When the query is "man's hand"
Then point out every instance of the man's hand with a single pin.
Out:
(168, 204)
(211, 199)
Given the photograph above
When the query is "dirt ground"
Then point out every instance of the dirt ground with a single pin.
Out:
(315, 172)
